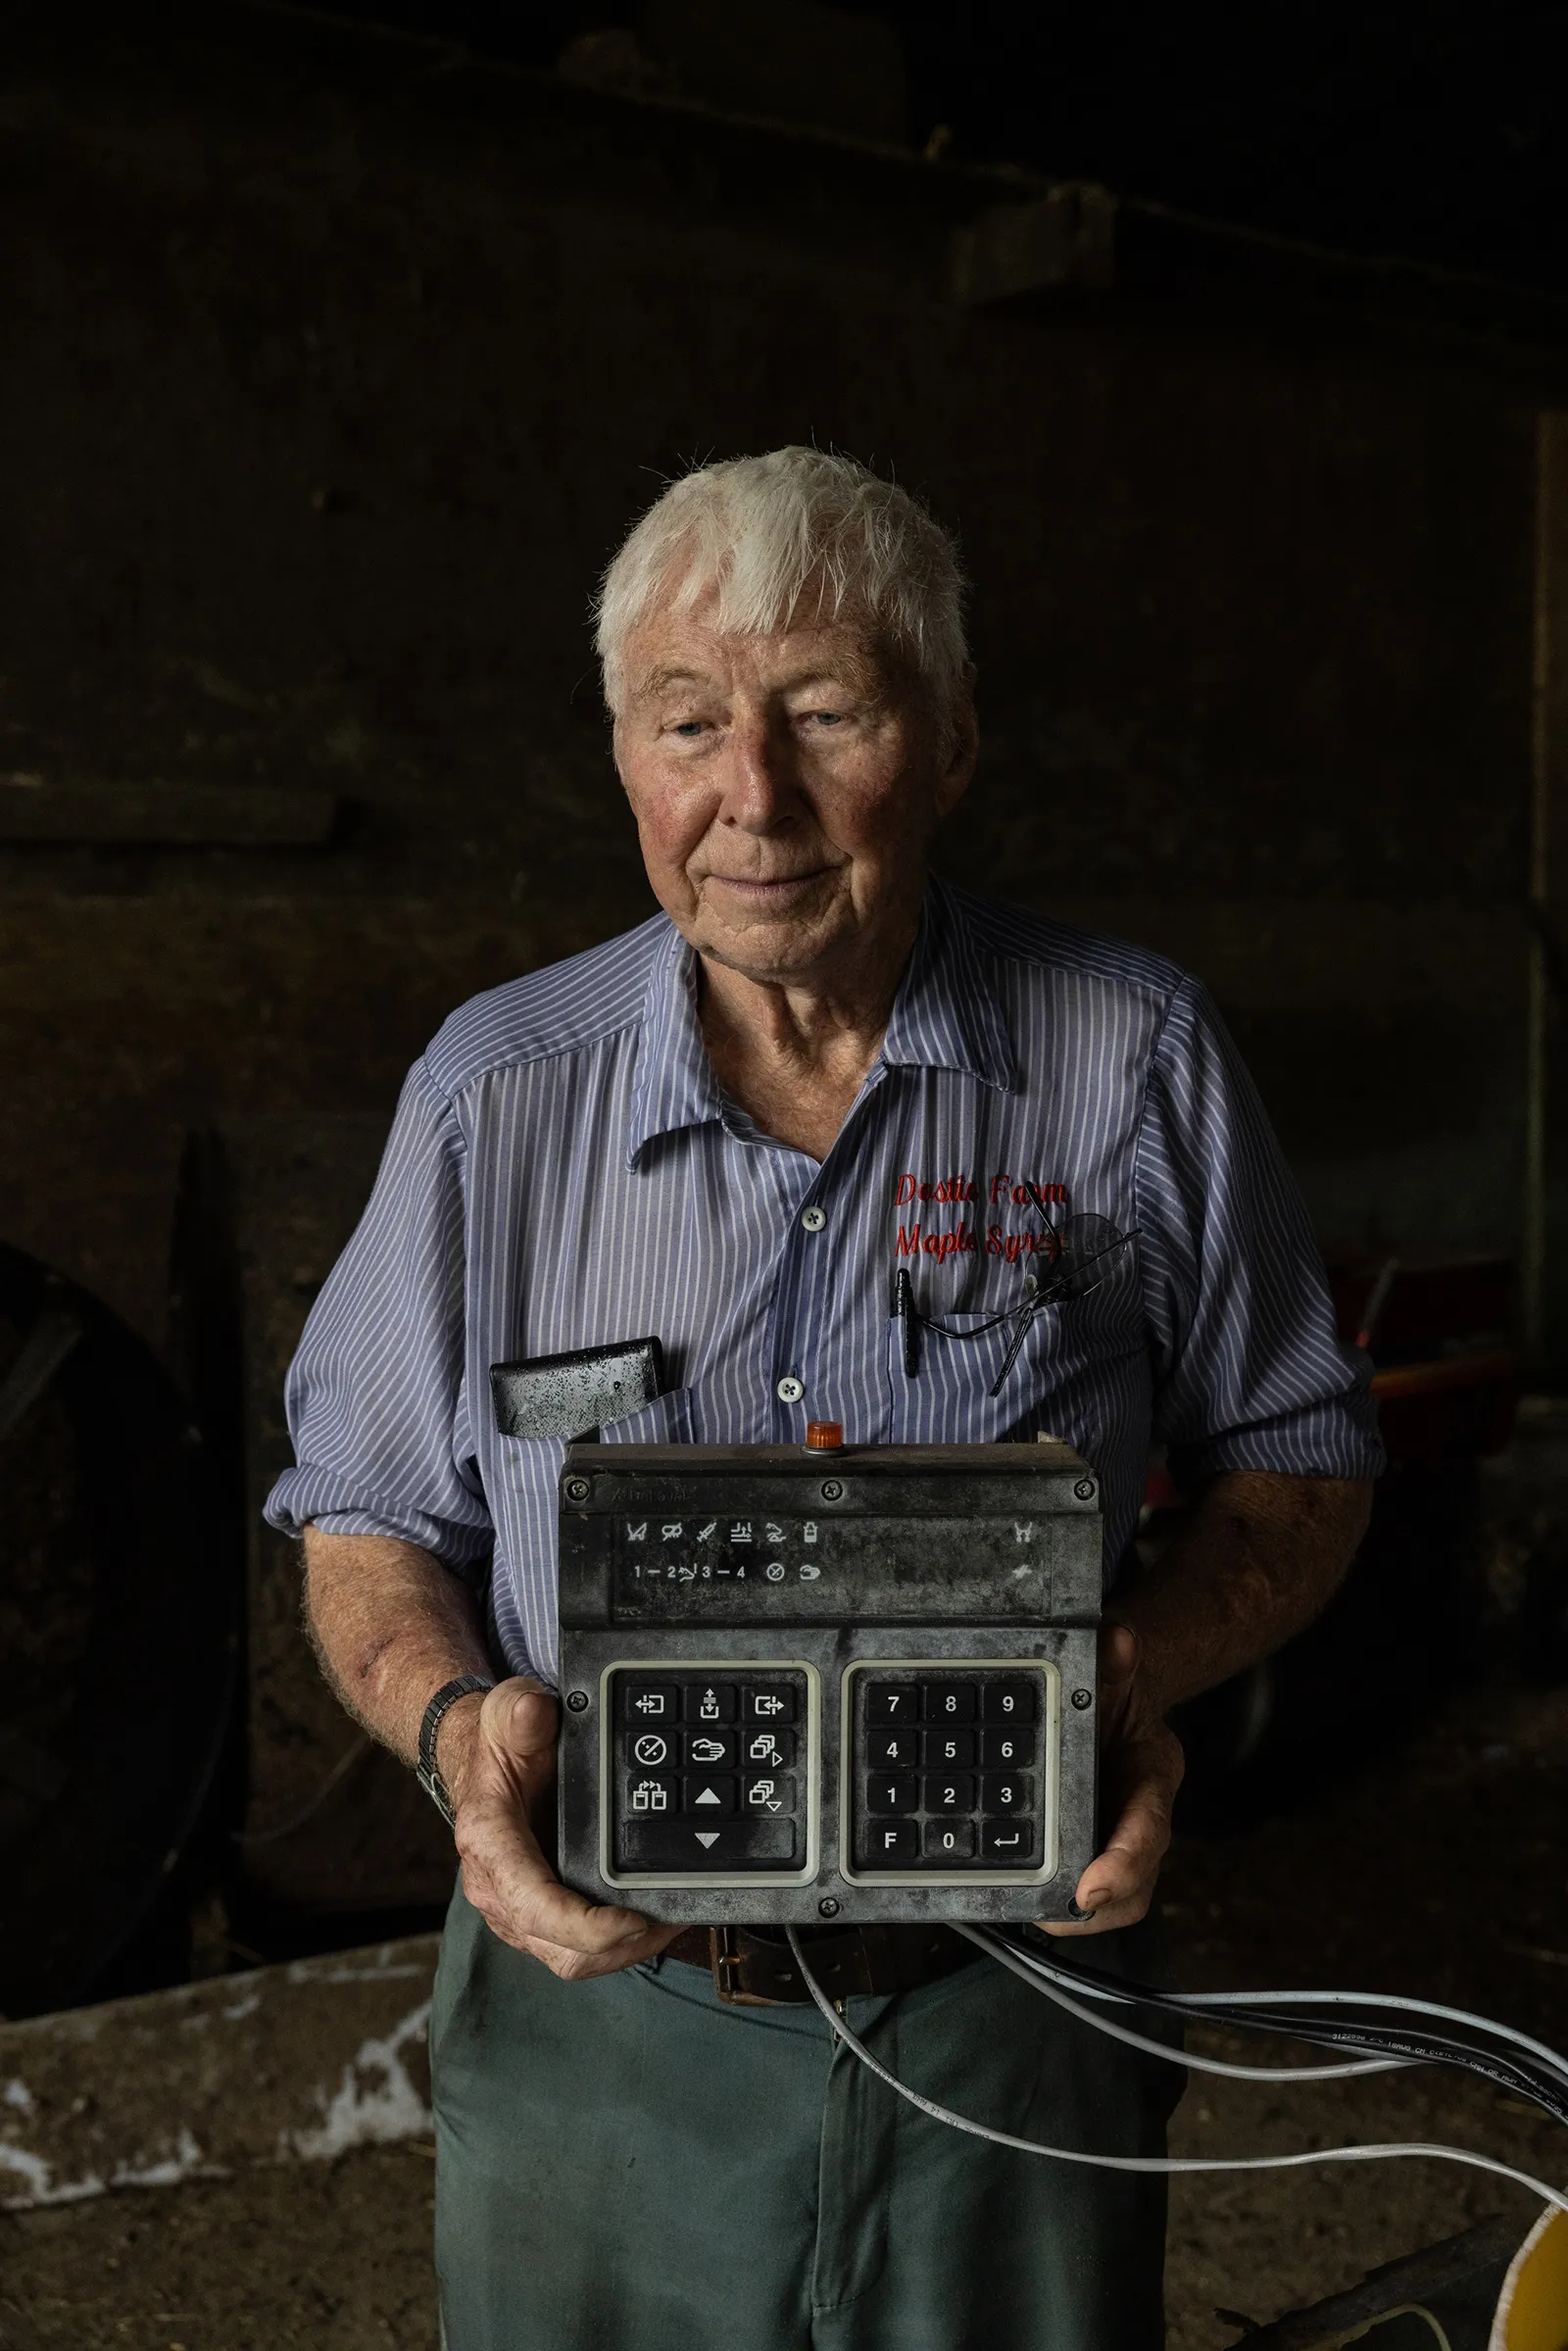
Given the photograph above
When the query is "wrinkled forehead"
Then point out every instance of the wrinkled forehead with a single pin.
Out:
(671, 650)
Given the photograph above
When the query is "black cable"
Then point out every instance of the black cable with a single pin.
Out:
(1045, 1952)
(1271, 2013)
(1538, 2075)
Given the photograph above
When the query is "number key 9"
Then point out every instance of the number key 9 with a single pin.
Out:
(1009, 1702)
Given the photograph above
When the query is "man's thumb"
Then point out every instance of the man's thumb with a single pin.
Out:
(523, 1718)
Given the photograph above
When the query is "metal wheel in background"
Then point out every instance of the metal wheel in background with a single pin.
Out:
(120, 1613)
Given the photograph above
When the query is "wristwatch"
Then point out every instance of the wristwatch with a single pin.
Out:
(425, 1771)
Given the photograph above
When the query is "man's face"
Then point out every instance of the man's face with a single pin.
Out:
(786, 789)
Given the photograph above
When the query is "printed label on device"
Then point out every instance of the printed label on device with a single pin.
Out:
(822, 1568)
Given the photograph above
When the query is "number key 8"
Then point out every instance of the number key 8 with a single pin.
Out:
(950, 1701)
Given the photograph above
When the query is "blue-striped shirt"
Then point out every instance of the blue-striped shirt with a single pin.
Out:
(566, 1170)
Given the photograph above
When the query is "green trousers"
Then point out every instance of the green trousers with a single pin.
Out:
(628, 2165)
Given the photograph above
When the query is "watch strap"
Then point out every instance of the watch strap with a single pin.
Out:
(435, 1788)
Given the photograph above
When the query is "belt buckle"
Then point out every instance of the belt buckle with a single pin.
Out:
(728, 1961)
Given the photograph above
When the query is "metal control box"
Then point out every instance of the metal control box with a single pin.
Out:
(854, 1685)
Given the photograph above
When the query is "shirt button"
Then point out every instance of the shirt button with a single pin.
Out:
(789, 1390)
(813, 1219)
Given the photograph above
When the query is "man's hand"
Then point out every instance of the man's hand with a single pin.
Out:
(1141, 1768)
(390, 1625)
(499, 1764)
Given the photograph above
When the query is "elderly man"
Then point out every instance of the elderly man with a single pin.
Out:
(732, 1127)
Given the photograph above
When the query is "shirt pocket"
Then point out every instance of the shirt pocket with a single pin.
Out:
(664, 1420)
(527, 1470)
(948, 1402)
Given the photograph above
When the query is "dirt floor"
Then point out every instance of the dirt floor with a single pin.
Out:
(1441, 1872)
(320, 2254)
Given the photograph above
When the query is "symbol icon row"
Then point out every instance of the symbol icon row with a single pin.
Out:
(721, 1749)
(734, 1530)
(715, 1795)
(713, 1702)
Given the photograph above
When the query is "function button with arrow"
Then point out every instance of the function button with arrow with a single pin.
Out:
(710, 1701)
(682, 1847)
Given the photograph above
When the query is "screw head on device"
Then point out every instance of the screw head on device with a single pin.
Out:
(827, 1908)
(1085, 1489)
(832, 1491)
(576, 1701)
(1082, 1698)
(577, 1490)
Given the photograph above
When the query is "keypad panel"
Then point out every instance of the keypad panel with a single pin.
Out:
(708, 1771)
(944, 1768)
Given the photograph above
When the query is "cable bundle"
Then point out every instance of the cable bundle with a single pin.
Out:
(1498, 2052)
(1513, 2060)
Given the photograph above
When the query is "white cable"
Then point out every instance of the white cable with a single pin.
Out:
(1155, 2163)
(1124, 1998)
(1022, 1965)
(1374, 1999)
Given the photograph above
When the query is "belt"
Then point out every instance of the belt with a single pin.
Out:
(754, 1967)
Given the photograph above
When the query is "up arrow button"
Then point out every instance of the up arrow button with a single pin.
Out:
(713, 1797)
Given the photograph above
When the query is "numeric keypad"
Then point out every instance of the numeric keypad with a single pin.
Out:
(943, 1768)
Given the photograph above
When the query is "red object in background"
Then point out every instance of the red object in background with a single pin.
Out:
(1160, 1490)
(1446, 1375)
(1445, 1370)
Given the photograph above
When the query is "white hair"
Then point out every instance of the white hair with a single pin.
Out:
(799, 536)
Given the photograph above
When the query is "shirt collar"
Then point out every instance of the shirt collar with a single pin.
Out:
(946, 1015)
(674, 1085)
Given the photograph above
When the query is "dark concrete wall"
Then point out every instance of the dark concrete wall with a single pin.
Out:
(332, 373)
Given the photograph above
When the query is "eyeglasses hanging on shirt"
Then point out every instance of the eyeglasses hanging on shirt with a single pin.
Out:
(1078, 1255)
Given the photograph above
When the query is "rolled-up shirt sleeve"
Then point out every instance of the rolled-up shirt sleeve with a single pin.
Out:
(1249, 1372)
(375, 1394)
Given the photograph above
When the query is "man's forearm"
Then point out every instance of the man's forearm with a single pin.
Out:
(1256, 1561)
(389, 1624)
